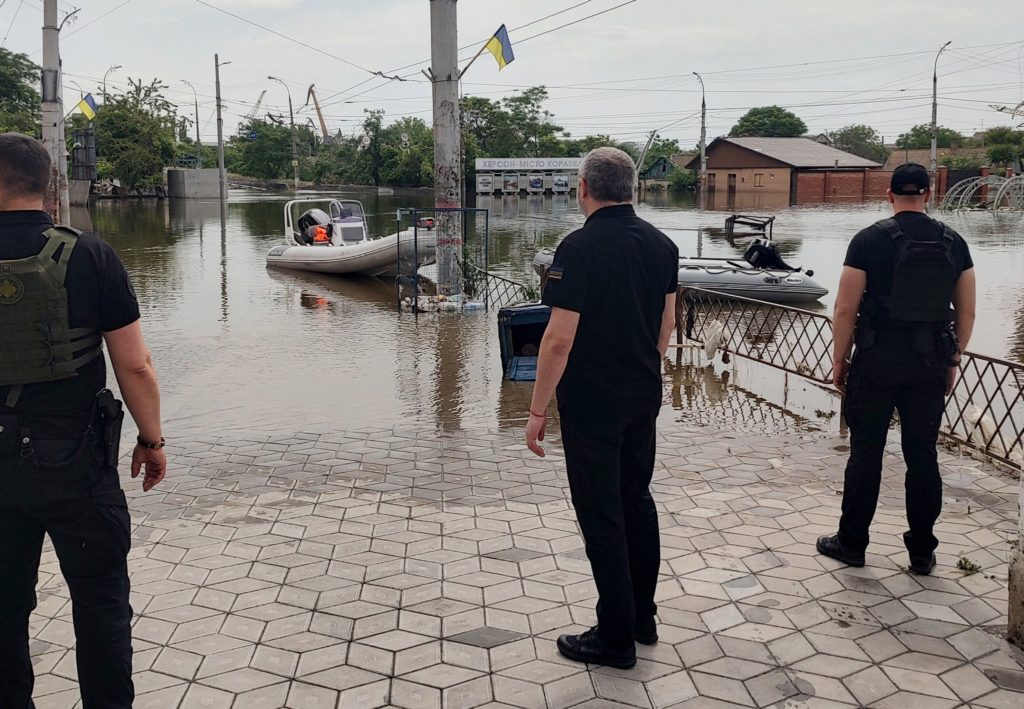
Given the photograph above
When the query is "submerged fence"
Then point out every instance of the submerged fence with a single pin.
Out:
(985, 412)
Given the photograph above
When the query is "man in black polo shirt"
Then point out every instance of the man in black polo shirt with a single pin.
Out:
(612, 292)
(900, 277)
(62, 295)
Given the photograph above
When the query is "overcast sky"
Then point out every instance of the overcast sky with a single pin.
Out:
(624, 72)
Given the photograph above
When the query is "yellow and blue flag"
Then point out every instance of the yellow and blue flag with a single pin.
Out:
(87, 106)
(500, 46)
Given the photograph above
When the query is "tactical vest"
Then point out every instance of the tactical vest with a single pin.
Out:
(38, 343)
(923, 279)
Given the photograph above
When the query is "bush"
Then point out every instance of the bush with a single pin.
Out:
(1003, 155)
(961, 162)
(682, 180)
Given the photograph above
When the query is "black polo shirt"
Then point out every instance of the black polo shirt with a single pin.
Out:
(615, 272)
(100, 295)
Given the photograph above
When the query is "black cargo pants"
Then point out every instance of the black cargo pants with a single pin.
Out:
(884, 378)
(64, 490)
(609, 460)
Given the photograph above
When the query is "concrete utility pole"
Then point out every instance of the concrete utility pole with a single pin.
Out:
(196, 97)
(444, 75)
(58, 200)
(935, 121)
(703, 138)
(1015, 613)
(291, 118)
(220, 133)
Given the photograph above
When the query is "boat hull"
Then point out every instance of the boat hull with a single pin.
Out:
(378, 257)
(733, 278)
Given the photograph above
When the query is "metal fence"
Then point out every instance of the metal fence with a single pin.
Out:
(494, 290)
(784, 337)
(985, 412)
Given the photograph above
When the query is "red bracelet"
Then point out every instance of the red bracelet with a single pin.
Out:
(540, 416)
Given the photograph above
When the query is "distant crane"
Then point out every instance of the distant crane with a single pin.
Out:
(311, 94)
(251, 115)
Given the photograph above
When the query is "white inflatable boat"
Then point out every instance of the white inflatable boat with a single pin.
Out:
(338, 242)
(760, 274)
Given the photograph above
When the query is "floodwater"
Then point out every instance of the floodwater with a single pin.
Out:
(242, 346)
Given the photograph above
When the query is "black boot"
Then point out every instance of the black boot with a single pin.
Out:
(834, 548)
(590, 648)
(645, 630)
(922, 565)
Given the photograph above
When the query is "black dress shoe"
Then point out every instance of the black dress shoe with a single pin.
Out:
(922, 566)
(590, 648)
(645, 631)
(834, 548)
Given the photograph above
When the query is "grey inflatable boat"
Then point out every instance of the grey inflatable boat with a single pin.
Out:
(760, 274)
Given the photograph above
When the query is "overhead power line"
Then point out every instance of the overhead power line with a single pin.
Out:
(305, 45)
(16, 11)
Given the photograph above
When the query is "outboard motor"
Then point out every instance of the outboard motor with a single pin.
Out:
(314, 227)
(765, 254)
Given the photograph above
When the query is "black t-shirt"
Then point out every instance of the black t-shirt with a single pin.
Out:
(615, 272)
(100, 296)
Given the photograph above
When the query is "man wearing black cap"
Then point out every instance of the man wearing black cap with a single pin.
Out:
(899, 280)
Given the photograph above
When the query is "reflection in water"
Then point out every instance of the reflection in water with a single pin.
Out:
(236, 342)
(700, 395)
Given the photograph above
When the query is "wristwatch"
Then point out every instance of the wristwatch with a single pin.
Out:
(151, 446)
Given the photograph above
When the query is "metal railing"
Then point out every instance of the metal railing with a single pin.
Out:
(496, 291)
(985, 411)
(794, 340)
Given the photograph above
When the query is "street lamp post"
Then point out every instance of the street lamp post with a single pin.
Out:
(291, 120)
(217, 64)
(105, 75)
(703, 138)
(935, 120)
(196, 96)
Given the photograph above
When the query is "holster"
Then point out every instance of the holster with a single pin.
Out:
(864, 333)
(948, 344)
(111, 413)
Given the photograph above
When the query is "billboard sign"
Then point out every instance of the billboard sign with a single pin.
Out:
(541, 164)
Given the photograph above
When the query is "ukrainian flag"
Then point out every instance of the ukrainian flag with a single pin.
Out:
(500, 46)
(87, 106)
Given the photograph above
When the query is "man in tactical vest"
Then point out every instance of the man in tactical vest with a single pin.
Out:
(900, 277)
(62, 295)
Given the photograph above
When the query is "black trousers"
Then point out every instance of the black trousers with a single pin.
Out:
(883, 379)
(65, 491)
(610, 463)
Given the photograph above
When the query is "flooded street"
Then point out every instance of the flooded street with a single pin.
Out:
(240, 346)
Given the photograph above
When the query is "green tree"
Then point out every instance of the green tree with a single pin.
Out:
(265, 150)
(407, 153)
(1004, 155)
(860, 140)
(920, 137)
(660, 148)
(770, 122)
(1004, 135)
(575, 147)
(135, 134)
(19, 94)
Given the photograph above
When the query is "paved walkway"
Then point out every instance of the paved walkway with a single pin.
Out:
(419, 569)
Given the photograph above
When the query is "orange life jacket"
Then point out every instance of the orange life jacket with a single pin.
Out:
(320, 235)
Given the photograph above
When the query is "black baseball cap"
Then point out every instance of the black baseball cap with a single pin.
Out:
(910, 179)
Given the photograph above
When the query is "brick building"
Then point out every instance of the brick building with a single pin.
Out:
(803, 169)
